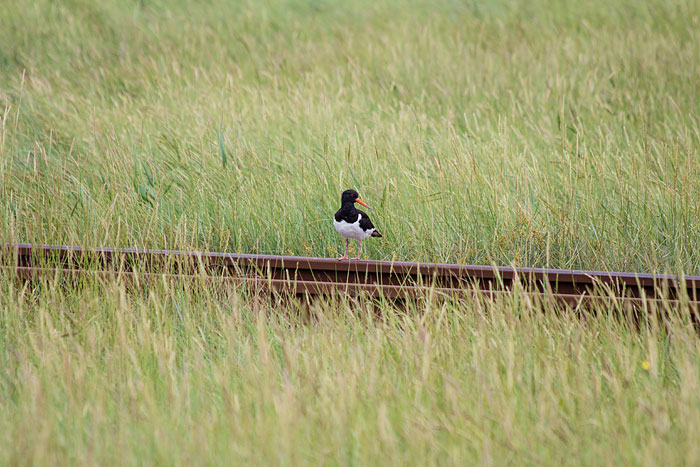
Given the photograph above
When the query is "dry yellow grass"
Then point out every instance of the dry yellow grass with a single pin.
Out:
(183, 374)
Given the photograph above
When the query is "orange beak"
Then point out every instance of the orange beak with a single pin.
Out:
(362, 203)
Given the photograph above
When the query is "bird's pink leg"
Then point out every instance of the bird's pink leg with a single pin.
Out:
(359, 250)
(345, 256)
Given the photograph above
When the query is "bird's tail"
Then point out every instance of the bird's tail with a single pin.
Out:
(376, 234)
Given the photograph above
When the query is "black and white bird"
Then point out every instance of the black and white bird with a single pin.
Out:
(350, 222)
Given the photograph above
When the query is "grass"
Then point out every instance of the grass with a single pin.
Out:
(539, 133)
(562, 135)
(182, 374)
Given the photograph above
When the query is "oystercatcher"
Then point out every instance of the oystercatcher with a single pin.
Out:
(353, 223)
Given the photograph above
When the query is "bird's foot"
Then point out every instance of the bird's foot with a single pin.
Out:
(342, 258)
(357, 257)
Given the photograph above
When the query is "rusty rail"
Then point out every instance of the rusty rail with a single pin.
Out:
(321, 276)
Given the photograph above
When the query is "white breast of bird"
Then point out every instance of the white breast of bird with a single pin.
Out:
(352, 230)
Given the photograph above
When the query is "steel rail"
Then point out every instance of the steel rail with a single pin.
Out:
(323, 276)
(375, 291)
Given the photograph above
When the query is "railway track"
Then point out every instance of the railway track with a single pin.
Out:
(325, 276)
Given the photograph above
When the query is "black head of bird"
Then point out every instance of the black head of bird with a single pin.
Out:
(351, 197)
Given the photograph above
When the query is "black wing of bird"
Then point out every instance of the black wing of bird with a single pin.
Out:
(366, 224)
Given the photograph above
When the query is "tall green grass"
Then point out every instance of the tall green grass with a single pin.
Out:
(181, 374)
(539, 133)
